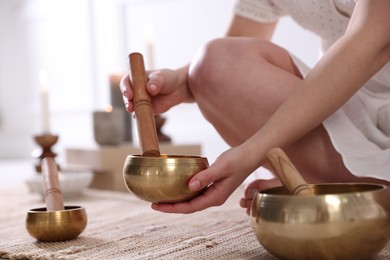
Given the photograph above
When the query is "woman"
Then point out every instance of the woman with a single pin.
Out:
(333, 120)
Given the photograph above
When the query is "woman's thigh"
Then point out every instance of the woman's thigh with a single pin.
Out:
(239, 83)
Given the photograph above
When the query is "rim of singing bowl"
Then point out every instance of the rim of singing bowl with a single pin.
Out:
(166, 159)
(334, 188)
(340, 215)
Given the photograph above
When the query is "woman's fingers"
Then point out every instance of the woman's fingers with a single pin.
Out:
(254, 187)
(219, 186)
(127, 93)
(210, 198)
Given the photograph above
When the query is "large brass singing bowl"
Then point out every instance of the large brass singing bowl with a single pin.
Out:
(342, 221)
(162, 179)
(51, 226)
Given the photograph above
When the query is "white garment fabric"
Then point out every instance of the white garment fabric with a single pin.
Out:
(360, 130)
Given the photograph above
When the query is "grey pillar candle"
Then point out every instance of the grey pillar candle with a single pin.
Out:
(108, 127)
(117, 103)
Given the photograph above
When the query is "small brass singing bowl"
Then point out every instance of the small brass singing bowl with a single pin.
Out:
(341, 221)
(52, 226)
(162, 179)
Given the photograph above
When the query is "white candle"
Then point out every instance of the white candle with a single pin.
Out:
(148, 30)
(43, 80)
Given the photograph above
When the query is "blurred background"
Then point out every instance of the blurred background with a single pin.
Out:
(78, 44)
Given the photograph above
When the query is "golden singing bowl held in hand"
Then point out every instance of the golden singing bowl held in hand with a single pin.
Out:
(341, 221)
(51, 226)
(162, 179)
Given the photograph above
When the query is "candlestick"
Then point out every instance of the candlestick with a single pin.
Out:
(149, 45)
(160, 120)
(43, 80)
(46, 142)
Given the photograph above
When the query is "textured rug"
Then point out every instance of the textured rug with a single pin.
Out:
(121, 226)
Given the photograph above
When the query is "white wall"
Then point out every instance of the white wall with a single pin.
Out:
(50, 35)
(81, 42)
(175, 44)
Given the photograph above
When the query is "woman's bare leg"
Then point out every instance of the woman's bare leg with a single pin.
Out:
(239, 83)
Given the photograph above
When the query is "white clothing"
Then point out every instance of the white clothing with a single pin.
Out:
(360, 130)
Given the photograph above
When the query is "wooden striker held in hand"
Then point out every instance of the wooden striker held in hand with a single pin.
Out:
(143, 107)
(287, 173)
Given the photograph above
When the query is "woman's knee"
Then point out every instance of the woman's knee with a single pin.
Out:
(218, 60)
(205, 68)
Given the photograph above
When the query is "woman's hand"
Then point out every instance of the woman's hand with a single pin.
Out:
(166, 87)
(256, 186)
(221, 179)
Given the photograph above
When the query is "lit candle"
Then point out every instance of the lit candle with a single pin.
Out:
(43, 80)
(109, 109)
(148, 30)
(108, 126)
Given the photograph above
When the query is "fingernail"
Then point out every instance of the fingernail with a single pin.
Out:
(153, 88)
(194, 185)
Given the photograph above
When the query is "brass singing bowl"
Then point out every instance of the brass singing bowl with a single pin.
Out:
(162, 179)
(342, 221)
(52, 226)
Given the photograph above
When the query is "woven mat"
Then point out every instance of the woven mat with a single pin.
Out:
(121, 226)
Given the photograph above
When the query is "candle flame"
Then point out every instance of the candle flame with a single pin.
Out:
(43, 78)
(109, 109)
(148, 31)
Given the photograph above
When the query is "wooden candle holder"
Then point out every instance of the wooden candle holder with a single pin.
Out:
(46, 142)
(160, 121)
